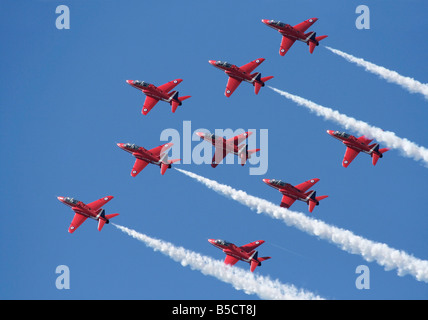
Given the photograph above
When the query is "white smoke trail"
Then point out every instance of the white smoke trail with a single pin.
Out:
(385, 256)
(408, 148)
(240, 279)
(410, 84)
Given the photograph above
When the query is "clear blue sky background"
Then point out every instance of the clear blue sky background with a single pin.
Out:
(65, 104)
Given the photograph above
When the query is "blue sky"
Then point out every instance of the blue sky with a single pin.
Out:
(65, 105)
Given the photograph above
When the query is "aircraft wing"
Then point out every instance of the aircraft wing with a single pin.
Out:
(230, 260)
(170, 85)
(138, 166)
(250, 66)
(350, 155)
(239, 138)
(99, 203)
(231, 86)
(149, 103)
(365, 140)
(76, 222)
(286, 44)
(219, 155)
(306, 185)
(161, 149)
(287, 201)
(251, 246)
(303, 26)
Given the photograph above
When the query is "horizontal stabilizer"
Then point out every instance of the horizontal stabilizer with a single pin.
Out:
(312, 205)
(264, 79)
(254, 265)
(250, 152)
(314, 201)
(313, 44)
(176, 101)
(184, 98)
(264, 258)
(164, 166)
(257, 262)
(110, 216)
(378, 154)
(260, 82)
(320, 198)
(257, 86)
(107, 217)
(174, 105)
(320, 38)
(173, 160)
(247, 155)
(101, 223)
(375, 158)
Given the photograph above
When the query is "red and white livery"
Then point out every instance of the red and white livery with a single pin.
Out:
(356, 145)
(292, 33)
(292, 193)
(223, 147)
(246, 253)
(157, 156)
(238, 74)
(154, 94)
(91, 210)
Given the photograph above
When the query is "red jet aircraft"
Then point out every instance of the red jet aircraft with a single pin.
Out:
(292, 193)
(158, 156)
(154, 94)
(238, 74)
(356, 145)
(223, 147)
(291, 34)
(245, 253)
(91, 210)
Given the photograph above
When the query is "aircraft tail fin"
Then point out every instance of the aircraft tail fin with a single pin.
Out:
(167, 164)
(176, 101)
(314, 41)
(260, 82)
(245, 154)
(101, 222)
(377, 155)
(255, 262)
(314, 200)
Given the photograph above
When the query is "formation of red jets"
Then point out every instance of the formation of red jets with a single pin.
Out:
(159, 155)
